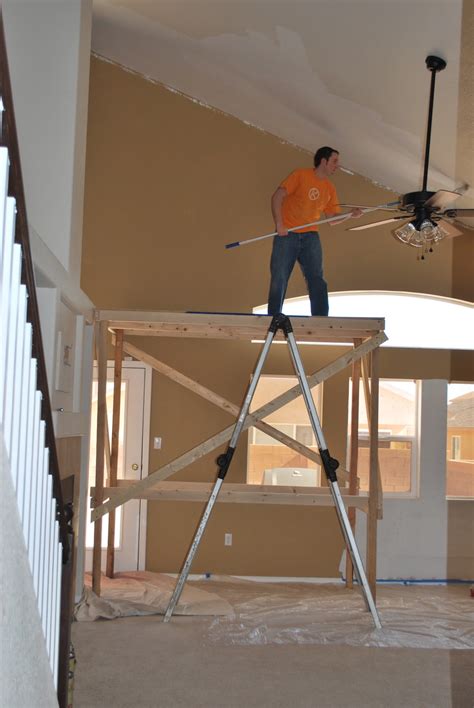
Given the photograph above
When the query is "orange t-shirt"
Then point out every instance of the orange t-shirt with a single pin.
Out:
(307, 196)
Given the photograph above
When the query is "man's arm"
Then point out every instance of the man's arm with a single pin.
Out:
(356, 212)
(277, 201)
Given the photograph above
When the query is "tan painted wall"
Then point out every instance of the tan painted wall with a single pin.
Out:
(168, 183)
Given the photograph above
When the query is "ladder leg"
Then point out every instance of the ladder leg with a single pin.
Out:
(223, 462)
(192, 552)
(330, 465)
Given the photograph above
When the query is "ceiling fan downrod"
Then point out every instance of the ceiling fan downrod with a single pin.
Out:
(433, 64)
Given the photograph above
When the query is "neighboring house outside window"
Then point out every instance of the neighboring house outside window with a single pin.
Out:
(460, 441)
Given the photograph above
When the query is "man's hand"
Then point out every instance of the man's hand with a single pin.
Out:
(356, 212)
(338, 218)
(278, 198)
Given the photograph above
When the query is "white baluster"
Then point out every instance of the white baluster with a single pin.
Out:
(40, 500)
(50, 592)
(17, 385)
(5, 278)
(56, 602)
(48, 562)
(25, 514)
(25, 413)
(43, 529)
(34, 479)
(11, 347)
(4, 166)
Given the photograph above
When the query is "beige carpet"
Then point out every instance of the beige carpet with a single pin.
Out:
(266, 654)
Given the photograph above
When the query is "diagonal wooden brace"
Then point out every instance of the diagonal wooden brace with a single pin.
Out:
(222, 403)
(220, 438)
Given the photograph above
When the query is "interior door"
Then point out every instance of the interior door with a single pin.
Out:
(130, 517)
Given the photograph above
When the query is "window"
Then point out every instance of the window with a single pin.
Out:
(398, 435)
(270, 461)
(414, 320)
(455, 447)
(460, 441)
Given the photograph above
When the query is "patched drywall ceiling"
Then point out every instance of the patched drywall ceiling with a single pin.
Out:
(348, 73)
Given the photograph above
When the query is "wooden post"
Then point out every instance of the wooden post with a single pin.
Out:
(107, 449)
(373, 474)
(368, 409)
(101, 331)
(114, 450)
(354, 458)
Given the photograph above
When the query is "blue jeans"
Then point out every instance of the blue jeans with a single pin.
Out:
(306, 249)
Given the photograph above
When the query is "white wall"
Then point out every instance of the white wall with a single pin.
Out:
(25, 674)
(45, 43)
(412, 536)
(48, 303)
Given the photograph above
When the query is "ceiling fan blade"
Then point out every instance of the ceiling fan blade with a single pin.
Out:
(442, 198)
(376, 223)
(458, 212)
(451, 230)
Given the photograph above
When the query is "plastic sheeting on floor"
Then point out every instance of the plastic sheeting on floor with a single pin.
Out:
(246, 612)
(144, 593)
(425, 616)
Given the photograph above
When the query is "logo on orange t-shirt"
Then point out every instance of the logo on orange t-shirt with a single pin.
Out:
(313, 194)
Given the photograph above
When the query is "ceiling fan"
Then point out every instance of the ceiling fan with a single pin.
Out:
(429, 214)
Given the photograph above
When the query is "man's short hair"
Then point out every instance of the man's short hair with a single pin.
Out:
(324, 153)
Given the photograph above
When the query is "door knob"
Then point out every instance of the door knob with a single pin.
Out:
(134, 466)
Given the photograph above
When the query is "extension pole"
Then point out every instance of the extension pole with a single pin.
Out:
(340, 217)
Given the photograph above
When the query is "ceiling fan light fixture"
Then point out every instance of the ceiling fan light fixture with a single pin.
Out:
(429, 231)
(440, 233)
(420, 233)
(405, 233)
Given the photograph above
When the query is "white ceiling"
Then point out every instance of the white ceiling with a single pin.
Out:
(347, 73)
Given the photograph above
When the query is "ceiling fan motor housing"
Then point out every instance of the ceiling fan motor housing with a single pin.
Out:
(414, 199)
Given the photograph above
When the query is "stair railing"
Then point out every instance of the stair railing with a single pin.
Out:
(25, 407)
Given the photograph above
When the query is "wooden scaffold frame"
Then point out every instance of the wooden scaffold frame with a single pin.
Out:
(364, 337)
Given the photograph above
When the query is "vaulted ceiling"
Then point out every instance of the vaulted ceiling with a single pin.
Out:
(348, 73)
